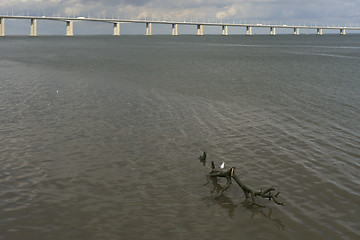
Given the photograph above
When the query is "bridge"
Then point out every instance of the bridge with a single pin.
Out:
(198, 26)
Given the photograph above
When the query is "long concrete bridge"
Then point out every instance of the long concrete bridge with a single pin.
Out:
(198, 26)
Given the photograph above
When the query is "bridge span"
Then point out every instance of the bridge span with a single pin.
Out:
(199, 26)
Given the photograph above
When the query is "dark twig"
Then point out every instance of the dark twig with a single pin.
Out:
(202, 158)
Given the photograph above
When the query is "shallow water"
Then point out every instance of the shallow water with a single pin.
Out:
(100, 136)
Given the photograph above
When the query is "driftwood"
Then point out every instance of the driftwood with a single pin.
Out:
(202, 158)
(230, 174)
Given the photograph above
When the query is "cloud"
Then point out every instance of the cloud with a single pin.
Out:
(229, 11)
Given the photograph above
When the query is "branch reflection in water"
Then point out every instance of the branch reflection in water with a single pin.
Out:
(226, 203)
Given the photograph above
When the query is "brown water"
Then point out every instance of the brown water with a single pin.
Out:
(100, 136)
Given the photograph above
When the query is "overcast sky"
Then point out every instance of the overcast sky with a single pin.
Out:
(325, 12)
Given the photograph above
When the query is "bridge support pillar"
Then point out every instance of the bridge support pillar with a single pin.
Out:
(225, 30)
(69, 28)
(200, 30)
(33, 27)
(2, 27)
(296, 31)
(272, 31)
(319, 31)
(148, 29)
(249, 31)
(174, 29)
(342, 31)
(116, 29)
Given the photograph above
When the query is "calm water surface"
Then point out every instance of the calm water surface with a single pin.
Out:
(99, 136)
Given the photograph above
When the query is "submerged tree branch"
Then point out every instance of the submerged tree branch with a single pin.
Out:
(230, 174)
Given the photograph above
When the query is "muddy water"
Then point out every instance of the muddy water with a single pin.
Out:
(99, 136)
